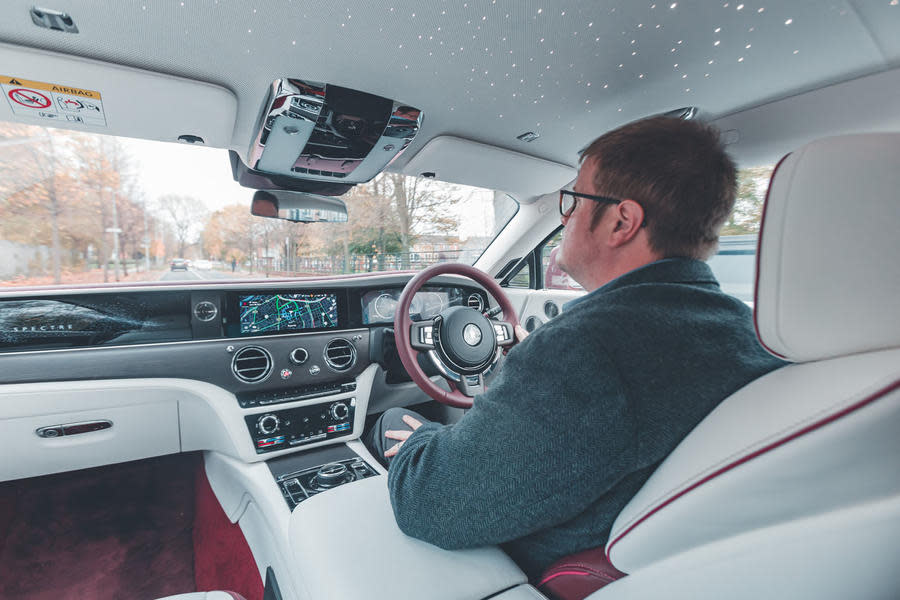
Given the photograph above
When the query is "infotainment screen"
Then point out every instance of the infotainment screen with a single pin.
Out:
(261, 313)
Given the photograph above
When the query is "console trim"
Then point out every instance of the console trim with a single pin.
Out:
(237, 340)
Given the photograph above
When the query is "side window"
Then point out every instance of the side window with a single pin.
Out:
(539, 269)
(734, 265)
(522, 278)
(554, 277)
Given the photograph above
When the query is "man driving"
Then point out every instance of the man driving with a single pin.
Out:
(586, 407)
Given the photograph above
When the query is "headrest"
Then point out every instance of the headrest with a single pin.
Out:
(828, 271)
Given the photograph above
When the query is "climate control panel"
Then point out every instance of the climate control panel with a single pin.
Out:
(282, 429)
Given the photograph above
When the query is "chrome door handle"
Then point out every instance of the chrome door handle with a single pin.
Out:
(53, 431)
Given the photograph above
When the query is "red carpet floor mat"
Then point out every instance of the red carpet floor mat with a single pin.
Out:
(222, 558)
(117, 532)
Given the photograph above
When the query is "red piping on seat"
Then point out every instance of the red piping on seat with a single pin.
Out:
(818, 424)
(762, 222)
(560, 573)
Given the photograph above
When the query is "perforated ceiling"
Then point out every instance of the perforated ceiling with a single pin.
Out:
(490, 70)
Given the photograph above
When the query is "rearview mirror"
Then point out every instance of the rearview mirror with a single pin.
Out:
(298, 207)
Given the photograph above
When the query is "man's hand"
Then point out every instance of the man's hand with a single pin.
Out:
(521, 333)
(401, 435)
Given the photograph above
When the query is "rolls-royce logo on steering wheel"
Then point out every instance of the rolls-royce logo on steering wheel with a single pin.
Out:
(472, 334)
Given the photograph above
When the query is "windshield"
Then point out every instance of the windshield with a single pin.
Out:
(80, 208)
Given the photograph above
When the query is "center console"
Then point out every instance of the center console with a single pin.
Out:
(291, 427)
(301, 476)
(354, 526)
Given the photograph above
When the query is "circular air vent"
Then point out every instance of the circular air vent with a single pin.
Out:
(340, 354)
(475, 301)
(251, 364)
(551, 309)
(532, 323)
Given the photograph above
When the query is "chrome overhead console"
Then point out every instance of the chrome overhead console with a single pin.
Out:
(327, 133)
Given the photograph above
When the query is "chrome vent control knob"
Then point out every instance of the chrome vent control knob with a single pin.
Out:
(339, 411)
(299, 356)
(268, 424)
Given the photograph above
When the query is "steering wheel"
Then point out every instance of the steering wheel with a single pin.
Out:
(461, 341)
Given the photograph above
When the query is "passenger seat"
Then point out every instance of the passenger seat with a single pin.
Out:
(205, 596)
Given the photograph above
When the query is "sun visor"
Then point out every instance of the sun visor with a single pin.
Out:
(329, 134)
(58, 90)
(456, 160)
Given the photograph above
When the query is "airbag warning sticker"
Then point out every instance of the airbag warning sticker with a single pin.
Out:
(53, 102)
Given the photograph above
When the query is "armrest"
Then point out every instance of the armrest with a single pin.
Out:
(346, 544)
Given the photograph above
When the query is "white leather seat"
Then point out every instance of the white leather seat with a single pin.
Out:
(791, 487)
(205, 596)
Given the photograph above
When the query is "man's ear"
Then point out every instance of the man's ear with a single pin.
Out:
(629, 218)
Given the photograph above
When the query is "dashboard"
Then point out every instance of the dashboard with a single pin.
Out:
(252, 370)
(283, 372)
(102, 319)
(290, 358)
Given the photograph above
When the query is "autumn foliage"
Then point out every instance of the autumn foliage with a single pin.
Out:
(61, 191)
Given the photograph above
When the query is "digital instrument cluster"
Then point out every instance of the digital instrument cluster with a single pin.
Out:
(379, 306)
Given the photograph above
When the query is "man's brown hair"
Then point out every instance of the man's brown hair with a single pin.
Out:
(680, 174)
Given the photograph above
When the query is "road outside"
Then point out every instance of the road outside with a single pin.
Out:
(196, 275)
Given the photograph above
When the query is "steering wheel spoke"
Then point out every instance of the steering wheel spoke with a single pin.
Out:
(506, 333)
(421, 335)
(471, 385)
(446, 372)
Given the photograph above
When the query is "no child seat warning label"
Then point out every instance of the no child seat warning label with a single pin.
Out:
(52, 101)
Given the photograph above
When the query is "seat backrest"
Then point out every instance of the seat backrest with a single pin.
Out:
(215, 595)
(821, 436)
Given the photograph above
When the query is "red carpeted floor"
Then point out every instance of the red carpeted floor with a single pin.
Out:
(120, 532)
(223, 560)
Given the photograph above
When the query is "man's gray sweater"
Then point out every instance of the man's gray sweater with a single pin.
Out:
(580, 415)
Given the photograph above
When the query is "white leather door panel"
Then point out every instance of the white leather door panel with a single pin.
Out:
(536, 307)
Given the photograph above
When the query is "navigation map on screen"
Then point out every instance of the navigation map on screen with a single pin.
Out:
(287, 312)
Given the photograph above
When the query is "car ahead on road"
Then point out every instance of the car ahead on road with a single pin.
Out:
(203, 427)
(203, 264)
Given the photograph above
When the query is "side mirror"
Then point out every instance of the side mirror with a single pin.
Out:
(298, 207)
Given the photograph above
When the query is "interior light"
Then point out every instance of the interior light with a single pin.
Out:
(53, 19)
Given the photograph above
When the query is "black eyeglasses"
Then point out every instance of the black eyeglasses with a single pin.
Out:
(568, 200)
